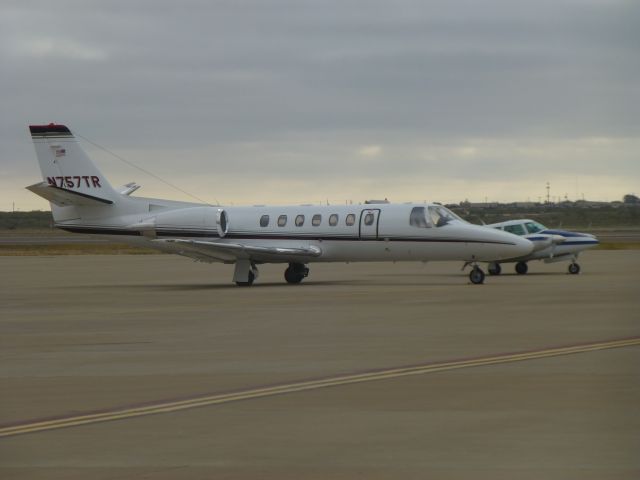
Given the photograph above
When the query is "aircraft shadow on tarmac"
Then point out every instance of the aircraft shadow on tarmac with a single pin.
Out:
(217, 286)
(456, 279)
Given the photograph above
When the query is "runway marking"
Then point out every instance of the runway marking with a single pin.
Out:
(121, 413)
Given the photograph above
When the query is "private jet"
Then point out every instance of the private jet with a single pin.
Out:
(548, 245)
(83, 201)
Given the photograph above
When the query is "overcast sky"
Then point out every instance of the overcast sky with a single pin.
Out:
(296, 101)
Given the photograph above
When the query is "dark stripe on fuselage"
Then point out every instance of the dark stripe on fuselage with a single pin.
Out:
(210, 234)
(99, 231)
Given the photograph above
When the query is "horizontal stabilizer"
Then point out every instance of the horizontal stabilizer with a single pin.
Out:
(63, 197)
(128, 189)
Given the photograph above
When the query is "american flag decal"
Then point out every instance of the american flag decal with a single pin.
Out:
(60, 152)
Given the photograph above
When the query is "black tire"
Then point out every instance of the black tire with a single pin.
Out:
(292, 275)
(521, 268)
(574, 268)
(495, 269)
(249, 282)
(476, 276)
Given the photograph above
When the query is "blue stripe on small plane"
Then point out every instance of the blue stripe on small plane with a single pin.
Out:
(580, 242)
(564, 233)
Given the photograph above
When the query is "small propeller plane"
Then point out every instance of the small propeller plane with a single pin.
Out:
(83, 201)
(548, 245)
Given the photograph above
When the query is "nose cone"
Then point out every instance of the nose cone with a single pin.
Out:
(521, 247)
(501, 245)
(590, 240)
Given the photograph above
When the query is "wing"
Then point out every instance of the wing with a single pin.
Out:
(230, 252)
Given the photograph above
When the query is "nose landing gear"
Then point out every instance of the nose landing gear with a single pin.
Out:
(574, 268)
(476, 275)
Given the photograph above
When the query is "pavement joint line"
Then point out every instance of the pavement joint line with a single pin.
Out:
(293, 387)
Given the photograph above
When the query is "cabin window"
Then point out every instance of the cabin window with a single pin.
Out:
(515, 229)
(350, 220)
(333, 219)
(282, 220)
(418, 217)
(299, 220)
(264, 221)
(316, 219)
(368, 219)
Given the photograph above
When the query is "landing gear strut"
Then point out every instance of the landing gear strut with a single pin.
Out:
(476, 275)
(295, 272)
(245, 273)
(522, 268)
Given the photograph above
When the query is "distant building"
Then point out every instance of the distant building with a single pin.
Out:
(631, 199)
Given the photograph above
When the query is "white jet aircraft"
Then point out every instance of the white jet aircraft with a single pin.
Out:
(548, 245)
(83, 201)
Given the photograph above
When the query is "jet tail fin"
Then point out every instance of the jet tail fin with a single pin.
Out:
(67, 168)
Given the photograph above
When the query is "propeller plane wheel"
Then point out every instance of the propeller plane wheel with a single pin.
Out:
(295, 273)
(495, 269)
(476, 276)
(574, 268)
(521, 268)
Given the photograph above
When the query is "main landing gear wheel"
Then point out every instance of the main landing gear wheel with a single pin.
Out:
(521, 268)
(574, 268)
(495, 269)
(476, 276)
(295, 273)
(249, 281)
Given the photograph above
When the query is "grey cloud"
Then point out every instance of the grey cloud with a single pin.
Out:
(290, 75)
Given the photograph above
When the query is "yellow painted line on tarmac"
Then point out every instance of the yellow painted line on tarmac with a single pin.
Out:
(122, 413)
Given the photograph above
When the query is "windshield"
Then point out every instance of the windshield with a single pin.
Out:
(534, 227)
(440, 216)
(516, 229)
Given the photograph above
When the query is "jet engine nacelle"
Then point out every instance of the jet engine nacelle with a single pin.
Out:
(222, 222)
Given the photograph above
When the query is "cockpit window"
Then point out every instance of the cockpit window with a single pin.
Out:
(418, 218)
(515, 229)
(534, 227)
(440, 216)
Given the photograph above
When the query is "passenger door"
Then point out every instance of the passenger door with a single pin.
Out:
(369, 223)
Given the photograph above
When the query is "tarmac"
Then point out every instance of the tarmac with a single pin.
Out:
(153, 366)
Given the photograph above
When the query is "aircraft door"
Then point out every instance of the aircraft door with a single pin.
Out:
(369, 223)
